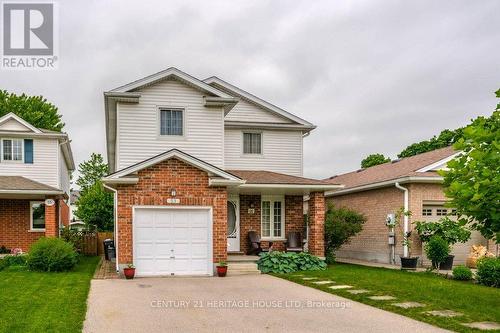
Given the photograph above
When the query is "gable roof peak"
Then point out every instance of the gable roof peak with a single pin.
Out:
(12, 115)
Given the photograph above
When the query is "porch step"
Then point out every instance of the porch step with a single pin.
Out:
(241, 258)
(242, 268)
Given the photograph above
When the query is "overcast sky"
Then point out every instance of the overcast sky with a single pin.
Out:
(374, 76)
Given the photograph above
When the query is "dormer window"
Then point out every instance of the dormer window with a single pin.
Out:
(12, 150)
(172, 122)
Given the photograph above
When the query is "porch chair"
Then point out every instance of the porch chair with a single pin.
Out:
(294, 242)
(254, 239)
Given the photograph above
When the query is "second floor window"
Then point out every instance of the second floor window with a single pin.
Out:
(12, 149)
(252, 143)
(171, 122)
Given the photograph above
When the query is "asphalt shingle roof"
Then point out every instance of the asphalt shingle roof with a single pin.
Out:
(21, 183)
(404, 167)
(269, 177)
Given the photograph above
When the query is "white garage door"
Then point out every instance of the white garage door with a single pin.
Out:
(172, 241)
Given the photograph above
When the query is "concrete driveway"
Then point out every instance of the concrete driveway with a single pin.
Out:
(248, 303)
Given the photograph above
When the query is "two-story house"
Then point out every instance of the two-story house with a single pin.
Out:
(35, 167)
(198, 164)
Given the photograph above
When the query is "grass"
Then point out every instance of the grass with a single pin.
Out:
(476, 302)
(45, 302)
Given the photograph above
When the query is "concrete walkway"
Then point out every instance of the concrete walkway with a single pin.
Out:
(247, 303)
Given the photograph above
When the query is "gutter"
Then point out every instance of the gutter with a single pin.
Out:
(115, 224)
(405, 216)
(402, 180)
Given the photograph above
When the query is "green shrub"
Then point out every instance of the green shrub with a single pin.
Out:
(437, 250)
(488, 272)
(462, 273)
(340, 225)
(4, 250)
(287, 262)
(451, 231)
(3, 264)
(51, 255)
(19, 260)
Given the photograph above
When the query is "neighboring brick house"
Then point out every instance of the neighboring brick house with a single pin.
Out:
(197, 165)
(380, 190)
(35, 166)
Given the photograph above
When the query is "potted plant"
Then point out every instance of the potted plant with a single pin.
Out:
(222, 269)
(129, 271)
(450, 231)
(437, 250)
(407, 262)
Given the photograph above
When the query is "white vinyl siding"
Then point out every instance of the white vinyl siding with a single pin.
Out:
(44, 168)
(13, 125)
(281, 152)
(249, 112)
(64, 174)
(138, 128)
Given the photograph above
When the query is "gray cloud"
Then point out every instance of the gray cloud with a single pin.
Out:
(374, 76)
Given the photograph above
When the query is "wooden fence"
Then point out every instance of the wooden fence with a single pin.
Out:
(91, 242)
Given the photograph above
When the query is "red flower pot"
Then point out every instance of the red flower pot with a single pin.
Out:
(221, 271)
(129, 273)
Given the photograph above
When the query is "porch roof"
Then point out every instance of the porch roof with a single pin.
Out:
(270, 182)
(21, 185)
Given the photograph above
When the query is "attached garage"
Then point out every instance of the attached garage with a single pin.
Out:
(172, 240)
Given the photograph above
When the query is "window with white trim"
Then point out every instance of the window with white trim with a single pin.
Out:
(12, 149)
(172, 122)
(252, 143)
(37, 215)
(272, 220)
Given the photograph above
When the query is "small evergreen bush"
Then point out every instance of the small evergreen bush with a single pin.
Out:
(488, 271)
(462, 273)
(51, 255)
(287, 262)
(437, 250)
(19, 260)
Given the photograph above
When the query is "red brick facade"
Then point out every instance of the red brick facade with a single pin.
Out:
(15, 229)
(154, 188)
(316, 206)
(294, 219)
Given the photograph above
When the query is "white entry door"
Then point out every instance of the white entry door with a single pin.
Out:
(172, 241)
(233, 224)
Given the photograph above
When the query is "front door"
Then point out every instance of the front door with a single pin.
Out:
(233, 224)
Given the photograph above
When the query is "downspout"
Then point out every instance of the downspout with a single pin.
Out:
(115, 223)
(405, 216)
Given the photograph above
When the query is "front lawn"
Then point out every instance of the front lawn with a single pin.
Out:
(45, 302)
(476, 303)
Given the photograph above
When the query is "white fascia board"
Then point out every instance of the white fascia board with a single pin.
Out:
(372, 186)
(23, 122)
(166, 73)
(258, 101)
(317, 187)
(126, 180)
(244, 124)
(438, 163)
(224, 182)
(44, 192)
(174, 153)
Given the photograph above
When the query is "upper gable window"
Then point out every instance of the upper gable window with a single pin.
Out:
(12, 149)
(172, 122)
(252, 143)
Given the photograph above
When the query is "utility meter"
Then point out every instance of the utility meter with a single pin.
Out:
(391, 239)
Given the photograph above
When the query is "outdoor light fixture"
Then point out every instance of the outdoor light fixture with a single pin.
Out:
(173, 192)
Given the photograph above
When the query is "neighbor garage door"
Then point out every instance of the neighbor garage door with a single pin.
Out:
(172, 241)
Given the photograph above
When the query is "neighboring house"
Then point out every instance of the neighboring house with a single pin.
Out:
(35, 167)
(74, 221)
(196, 165)
(380, 190)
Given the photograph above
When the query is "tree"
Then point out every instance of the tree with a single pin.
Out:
(95, 205)
(473, 179)
(444, 139)
(91, 172)
(374, 159)
(34, 109)
(340, 225)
